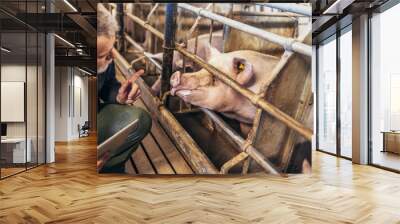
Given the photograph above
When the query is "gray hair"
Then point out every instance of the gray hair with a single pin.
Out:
(106, 23)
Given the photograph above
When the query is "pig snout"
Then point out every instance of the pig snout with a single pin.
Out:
(175, 79)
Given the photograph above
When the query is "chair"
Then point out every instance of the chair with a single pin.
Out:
(84, 130)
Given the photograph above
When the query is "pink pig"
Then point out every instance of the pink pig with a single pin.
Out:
(248, 68)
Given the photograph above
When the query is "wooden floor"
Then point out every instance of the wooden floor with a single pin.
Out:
(70, 191)
(157, 154)
(386, 159)
(10, 171)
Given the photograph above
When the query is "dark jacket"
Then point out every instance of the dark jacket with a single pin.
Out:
(107, 87)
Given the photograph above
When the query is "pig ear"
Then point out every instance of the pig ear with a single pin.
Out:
(210, 51)
(243, 69)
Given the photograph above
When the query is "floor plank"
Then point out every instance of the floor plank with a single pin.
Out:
(141, 161)
(156, 156)
(129, 167)
(161, 142)
(175, 158)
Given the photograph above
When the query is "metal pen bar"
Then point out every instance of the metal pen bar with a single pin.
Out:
(147, 55)
(151, 59)
(211, 27)
(125, 67)
(196, 23)
(168, 45)
(254, 98)
(133, 43)
(290, 7)
(233, 162)
(271, 14)
(287, 43)
(145, 25)
(249, 149)
(152, 12)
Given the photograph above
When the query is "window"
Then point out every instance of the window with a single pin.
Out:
(346, 93)
(22, 101)
(327, 96)
(385, 89)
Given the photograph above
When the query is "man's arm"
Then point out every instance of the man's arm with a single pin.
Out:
(108, 85)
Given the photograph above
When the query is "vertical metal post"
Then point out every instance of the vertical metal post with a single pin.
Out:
(26, 88)
(317, 89)
(369, 92)
(169, 43)
(338, 91)
(120, 18)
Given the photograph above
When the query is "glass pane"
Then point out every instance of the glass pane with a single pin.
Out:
(13, 86)
(327, 97)
(31, 99)
(385, 84)
(346, 94)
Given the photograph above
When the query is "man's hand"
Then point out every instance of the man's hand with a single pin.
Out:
(129, 90)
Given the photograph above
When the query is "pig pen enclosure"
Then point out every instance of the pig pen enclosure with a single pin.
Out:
(186, 139)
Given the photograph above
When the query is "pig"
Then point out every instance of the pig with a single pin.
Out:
(249, 68)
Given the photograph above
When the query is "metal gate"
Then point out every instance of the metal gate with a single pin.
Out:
(286, 118)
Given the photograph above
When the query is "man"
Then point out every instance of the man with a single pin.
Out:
(114, 113)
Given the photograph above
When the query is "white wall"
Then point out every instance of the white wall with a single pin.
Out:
(33, 127)
(71, 94)
(16, 73)
(61, 105)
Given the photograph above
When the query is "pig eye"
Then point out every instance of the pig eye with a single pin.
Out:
(189, 69)
(240, 67)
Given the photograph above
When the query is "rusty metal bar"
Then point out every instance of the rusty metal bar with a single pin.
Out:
(247, 148)
(196, 23)
(246, 165)
(287, 43)
(190, 150)
(125, 67)
(152, 12)
(254, 98)
(145, 25)
(232, 162)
